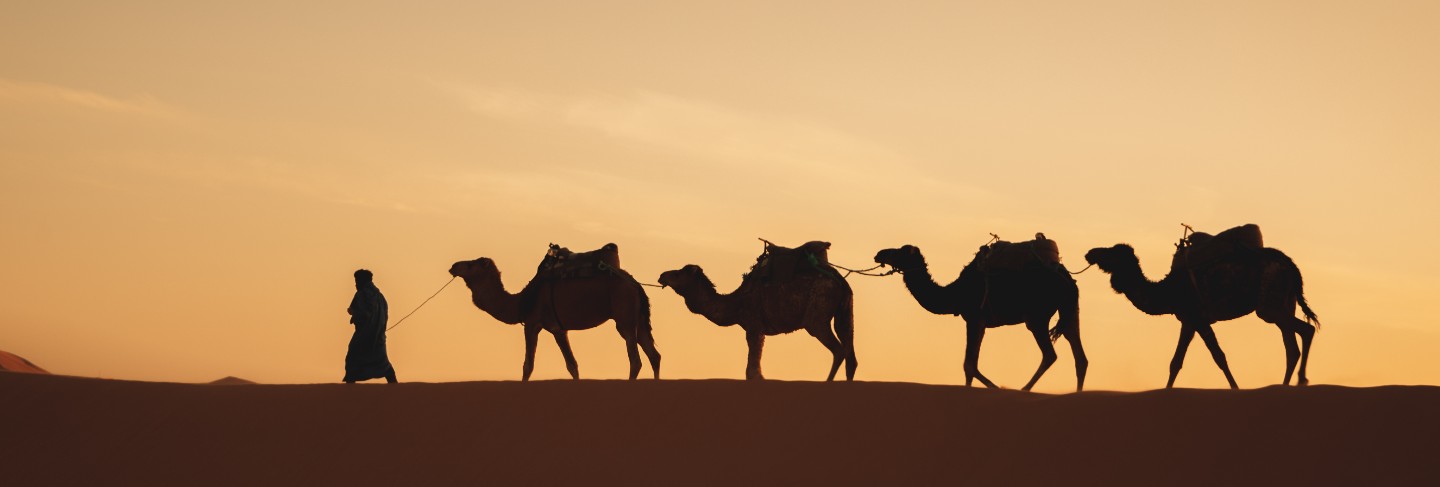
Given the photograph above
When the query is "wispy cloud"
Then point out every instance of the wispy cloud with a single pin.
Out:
(726, 169)
(707, 132)
(23, 92)
(686, 127)
(328, 186)
(715, 132)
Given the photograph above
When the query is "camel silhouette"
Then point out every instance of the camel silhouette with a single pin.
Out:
(791, 301)
(1233, 281)
(563, 304)
(1029, 292)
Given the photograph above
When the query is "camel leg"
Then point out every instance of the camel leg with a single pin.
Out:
(532, 336)
(845, 331)
(1081, 362)
(816, 320)
(1047, 353)
(756, 340)
(1278, 299)
(1208, 335)
(974, 335)
(1307, 333)
(562, 339)
(1282, 315)
(1186, 334)
(831, 343)
(647, 342)
(1292, 352)
(632, 348)
(851, 363)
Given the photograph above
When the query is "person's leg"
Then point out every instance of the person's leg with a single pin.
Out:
(390, 376)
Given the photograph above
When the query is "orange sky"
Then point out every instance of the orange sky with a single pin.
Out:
(188, 187)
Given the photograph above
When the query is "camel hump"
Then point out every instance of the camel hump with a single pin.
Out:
(1002, 256)
(780, 264)
(1201, 248)
(1247, 235)
(562, 262)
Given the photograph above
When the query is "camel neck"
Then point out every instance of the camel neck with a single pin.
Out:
(707, 302)
(931, 295)
(1148, 296)
(490, 296)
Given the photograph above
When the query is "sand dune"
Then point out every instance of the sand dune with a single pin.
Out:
(75, 431)
(10, 362)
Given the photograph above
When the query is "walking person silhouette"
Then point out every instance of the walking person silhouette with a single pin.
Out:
(366, 358)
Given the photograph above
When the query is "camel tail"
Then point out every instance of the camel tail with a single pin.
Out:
(1069, 313)
(643, 324)
(1294, 271)
(845, 332)
(1310, 316)
(845, 322)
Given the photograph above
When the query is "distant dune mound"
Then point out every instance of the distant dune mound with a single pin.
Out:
(232, 381)
(10, 362)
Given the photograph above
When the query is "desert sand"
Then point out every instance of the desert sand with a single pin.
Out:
(76, 431)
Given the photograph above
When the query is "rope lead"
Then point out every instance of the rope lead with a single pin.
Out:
(863, 272)
(417, 308)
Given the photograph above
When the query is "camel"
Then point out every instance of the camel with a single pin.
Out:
(1031, 293)
(805, 300)
(1261, 280)
(561, 305)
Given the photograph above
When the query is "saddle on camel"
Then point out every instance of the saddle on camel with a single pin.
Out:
(1199, 249)
(561, 263)
(1003, 256)
(781, 264)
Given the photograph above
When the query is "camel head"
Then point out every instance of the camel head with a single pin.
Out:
(685, 279)
(478, 268)
(903, 259)
(1111, 259)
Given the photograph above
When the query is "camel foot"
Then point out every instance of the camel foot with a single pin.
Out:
(1302, 382)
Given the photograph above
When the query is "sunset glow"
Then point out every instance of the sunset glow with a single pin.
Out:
(188, 186)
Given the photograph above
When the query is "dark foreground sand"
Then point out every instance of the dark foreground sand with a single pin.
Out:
(74, 431)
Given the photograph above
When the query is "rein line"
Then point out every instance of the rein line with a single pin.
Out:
(863, 272)
(422, 304)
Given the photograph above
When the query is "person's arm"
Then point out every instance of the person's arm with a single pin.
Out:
(355, 307)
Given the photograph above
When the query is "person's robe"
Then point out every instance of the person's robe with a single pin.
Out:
(366, 358)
